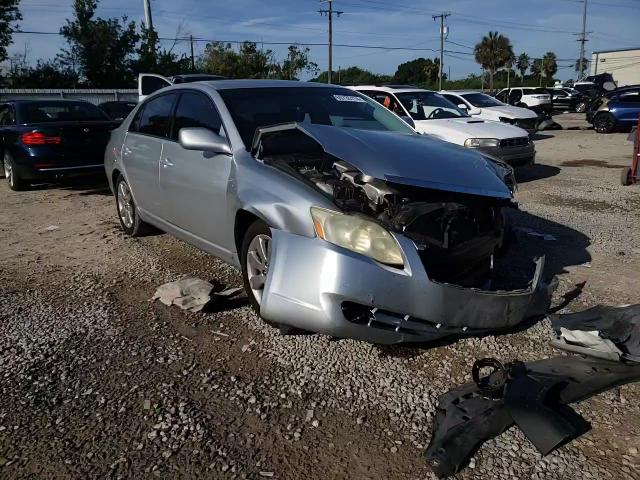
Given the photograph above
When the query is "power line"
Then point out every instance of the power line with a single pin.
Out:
(329, 13)
(443, 16)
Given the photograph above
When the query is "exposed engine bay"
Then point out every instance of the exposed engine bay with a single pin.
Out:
(457, 235)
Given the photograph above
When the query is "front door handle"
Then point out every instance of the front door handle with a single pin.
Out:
(166, 162)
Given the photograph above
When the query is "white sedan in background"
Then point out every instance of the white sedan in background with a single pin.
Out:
(484, 106)
(431, 113)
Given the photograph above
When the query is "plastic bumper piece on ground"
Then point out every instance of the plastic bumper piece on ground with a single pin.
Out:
(312, 283)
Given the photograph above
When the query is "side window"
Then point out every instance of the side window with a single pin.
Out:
(385, 100)
(134, 126)
(196, 110)
(630, 97)
(156, 116)
(455, 100)
(515, 96)
(7, 115)
(502, 96)
(560, 93)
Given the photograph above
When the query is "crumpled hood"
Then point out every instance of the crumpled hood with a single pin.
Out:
(473, 127)
(512, 112)
(411, 159)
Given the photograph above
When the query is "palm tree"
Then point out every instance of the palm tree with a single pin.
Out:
(493, 52)
(549, 65)
(508, 64)
(523, 64)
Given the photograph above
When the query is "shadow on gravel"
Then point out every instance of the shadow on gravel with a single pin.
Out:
(569, 248)
(90, 185)
(541, 136)
(530, 173)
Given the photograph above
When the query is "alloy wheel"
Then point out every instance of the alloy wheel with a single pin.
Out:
(258, 257)
(604, 124)
(125, 205)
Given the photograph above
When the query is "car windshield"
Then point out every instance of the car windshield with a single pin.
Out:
(54, 111)
(481, 100)
(252, 108)
(429, 106)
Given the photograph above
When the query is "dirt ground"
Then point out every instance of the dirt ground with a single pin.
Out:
(97, 381)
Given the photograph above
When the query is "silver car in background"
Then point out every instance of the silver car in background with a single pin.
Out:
(342, 219)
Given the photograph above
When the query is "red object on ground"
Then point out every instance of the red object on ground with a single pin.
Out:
(630, 175)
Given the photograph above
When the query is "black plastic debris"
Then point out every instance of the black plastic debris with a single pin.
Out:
(535, 396)
(605, 332)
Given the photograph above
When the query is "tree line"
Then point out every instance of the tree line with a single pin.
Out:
(110, 52)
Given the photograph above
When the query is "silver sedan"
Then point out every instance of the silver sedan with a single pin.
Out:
(342, 219)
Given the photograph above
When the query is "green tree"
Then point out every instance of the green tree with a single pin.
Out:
(585, 65)
(248, 62)
(100, 50)
(354, 76)
(522, 64)
(9, 15)
(549, 66)
(153, 59)
(297, 61)
(419, 71)
(44, 75)
(493, 52)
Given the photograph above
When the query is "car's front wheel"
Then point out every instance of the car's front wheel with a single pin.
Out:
(604, 123)
(128, 215)
(255, 259)
(14, 180)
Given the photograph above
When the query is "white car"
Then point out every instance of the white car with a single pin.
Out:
(430, 113)
(537, 99)
(488, 108)
(151, 82)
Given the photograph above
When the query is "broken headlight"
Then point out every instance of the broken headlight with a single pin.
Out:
(481, 142)
(358, 235)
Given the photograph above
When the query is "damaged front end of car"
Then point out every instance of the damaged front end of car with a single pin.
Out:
(408, 253)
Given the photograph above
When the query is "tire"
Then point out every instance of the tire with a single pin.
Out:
(625, 176)
(604, 122)
(581, 107)
(16, 183)
(256, 244)
(127, 211)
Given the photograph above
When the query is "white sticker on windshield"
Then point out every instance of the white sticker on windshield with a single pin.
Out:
(349, 98)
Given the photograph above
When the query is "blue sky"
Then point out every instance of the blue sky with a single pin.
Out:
(534, 27)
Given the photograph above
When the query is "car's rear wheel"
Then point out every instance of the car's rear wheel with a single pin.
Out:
(14, 180)
(604, 123)
(255, 258)
(128, 215)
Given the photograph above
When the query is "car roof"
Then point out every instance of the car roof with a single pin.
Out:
(248, 83)
(390, 89)
(462, 92)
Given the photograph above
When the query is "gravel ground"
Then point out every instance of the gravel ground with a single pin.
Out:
(96, 381)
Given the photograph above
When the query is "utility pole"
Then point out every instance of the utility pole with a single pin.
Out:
(582, 39)
(329, 13)
(148, 21)
(442, 18)
(193, 61)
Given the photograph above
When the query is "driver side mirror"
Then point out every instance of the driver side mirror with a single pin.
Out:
(462, 106)
(474, 111)
(198, 138)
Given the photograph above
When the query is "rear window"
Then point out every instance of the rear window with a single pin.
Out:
(50, 112)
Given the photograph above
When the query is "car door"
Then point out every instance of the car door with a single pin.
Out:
(627, 107)
(149, 83)
(194, 183)
(142, 149)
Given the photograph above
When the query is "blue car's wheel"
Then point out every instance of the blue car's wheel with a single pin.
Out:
(604, 122)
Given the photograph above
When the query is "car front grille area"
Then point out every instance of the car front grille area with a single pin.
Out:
(526, 123)
(380, 319)
(515, 142)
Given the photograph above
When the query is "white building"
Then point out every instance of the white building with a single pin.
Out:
(623, 64)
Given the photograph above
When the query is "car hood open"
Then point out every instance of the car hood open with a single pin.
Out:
(407, 159)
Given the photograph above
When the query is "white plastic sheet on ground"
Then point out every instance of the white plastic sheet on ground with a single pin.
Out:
(191, 293)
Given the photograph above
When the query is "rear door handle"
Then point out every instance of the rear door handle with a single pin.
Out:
(166, 162)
